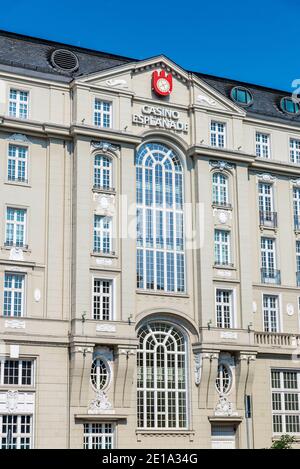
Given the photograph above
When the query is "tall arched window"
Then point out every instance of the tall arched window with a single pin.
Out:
(160, 225)
(102, 172)
(161, 381)
(220, 189)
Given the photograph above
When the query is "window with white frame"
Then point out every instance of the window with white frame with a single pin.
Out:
(268, 255)
(224, 308)
(296, 206)
(161, 377)
(220, 189)
(224, 379)
(15, 431)
(263, 145)
(17, 163)
(222, 247)
(15, 227)
(102, 113)
(271, 313)
(295, 150)
(100, 375)
(16, 372)
(18, 103)
(102, 234)
(298, 255)
(285, 401)
(160, 219)
(102, 172)
(218, 134)
(102, 299)
(14, 286)
(265, 198)
(98, 435)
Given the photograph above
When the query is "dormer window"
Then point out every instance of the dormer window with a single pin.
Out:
(241, 95)
(289, 105)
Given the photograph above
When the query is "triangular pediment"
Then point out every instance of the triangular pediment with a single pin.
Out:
(135, 78)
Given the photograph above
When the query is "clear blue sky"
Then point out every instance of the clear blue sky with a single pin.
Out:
(256, 41)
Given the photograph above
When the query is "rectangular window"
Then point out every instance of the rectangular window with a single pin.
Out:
(265, 198)
(102, 172)
(102, 234)
(17, 163)
(285, 401)
(271, 313)
(14, 286)
(16, 372)
(224, 308)
(269, 271)
(15, 431)
(222, 247)
(18, 104)
(217, 134)
(102, 113)
(296, 207)
(102, 299)
(298, 255)
(267, 216)
(15, 227)
(262, 145)
(98, 436)
(294, 150)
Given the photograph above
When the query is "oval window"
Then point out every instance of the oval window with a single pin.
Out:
(224, 379)
(241, 95)
(289, 106)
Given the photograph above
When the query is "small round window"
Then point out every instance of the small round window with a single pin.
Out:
(99, 374)
(241, 95)
(224, 379)
(289, 106)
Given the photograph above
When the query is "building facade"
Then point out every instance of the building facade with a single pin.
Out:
(149, 254)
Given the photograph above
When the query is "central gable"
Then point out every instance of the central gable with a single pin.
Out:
(136, 78)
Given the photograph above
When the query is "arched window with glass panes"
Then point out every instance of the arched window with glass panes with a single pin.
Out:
(160, 221)
(161, 377)
(102, 172)
(220, 189)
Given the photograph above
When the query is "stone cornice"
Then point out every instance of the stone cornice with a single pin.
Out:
(10, 124)
(276, 166)
(220, 153)
(107, 134)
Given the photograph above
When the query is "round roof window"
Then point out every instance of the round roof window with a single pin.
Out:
(289, 105)
(241, 95)
(64, 60)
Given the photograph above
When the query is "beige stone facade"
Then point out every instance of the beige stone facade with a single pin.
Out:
(56, 263)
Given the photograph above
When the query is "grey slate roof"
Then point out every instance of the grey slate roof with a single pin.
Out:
(30, 56)
(33, 54)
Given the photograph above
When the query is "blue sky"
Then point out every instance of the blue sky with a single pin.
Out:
(255, 41)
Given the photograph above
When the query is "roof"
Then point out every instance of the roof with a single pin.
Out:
(33, 54)
(30, 56)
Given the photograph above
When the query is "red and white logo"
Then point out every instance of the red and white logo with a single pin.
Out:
(162, 83)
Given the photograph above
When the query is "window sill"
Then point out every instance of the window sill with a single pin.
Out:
(19, 387)
(222, 207)
(161, 293)
(224, 266)
(164, 432)
(22, 248)
(109, 255)
(102, 190)
(18, 183)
